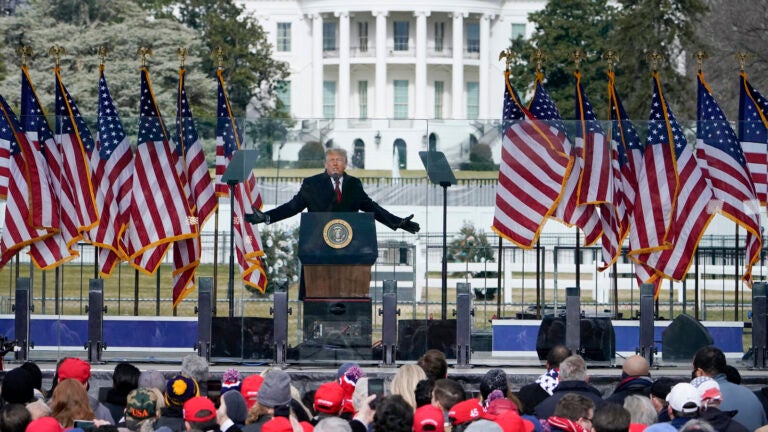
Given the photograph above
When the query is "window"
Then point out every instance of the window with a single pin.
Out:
(329, 99)
(517, 30)
(439, 36)
(439, 99)
(329, 36)
(283, 90)
(473, 100)
(401, 99)
(283, 36)
(362, 93)
(473, 37)
(401, 35)
(362, 34)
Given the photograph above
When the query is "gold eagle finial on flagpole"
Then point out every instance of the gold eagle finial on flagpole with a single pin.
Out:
(56, 51)
(102, 53)
(539, 57)
(611, 57)
(741, 57)
(24, 51)
(508, 56)
(655, 58)
(700, 56)
(219, 54)
(578, 57)
(181, 53)
(144, 52)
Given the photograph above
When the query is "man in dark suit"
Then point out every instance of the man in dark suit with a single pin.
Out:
(333, 191)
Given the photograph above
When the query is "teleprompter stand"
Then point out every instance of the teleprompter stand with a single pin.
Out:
(440, 173)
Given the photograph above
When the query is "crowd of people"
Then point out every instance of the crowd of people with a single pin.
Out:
(420, 397)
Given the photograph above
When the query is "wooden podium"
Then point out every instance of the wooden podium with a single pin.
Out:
(337, 251)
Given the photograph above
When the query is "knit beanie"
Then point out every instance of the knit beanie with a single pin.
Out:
(18, 386)
(236, 409)
(180, 389)
(348, 382)
(275, 390)
(230, 380)
(494, 379)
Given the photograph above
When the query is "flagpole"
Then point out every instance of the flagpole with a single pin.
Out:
(231, 284)
(215, 260)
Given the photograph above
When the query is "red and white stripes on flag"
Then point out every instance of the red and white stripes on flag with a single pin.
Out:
(693, 201)
(718, 149)
(248, 246)
(193, 169)
(159, 211)
(17, 230)
(112, 164)
(531, 174)
(753, 134)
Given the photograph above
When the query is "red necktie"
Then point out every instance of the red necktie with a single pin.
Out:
(338, 191)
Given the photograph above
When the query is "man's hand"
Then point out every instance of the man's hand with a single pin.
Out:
(256, 217)
(407, 224)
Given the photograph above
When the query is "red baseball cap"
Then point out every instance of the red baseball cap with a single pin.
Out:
(277, 424)
(306, 426)
(428, 418)
(44, 424)
(250, 388)
(465, 411)
(329, 398)
(510, 421)
(74, 368)
(195, 407)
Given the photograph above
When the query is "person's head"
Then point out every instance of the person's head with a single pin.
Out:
(329, 399)
(611, 417)
(434, 364)
(659, 391)
(709, 391)
(641, 409)
(732, 374)
(573, 368)
(697, 425)
(556, 355)
(38, 409)
(17, 387)
(577, 408)
(494, 379)
(393, 414)
(465, 412)
(70, 402)
(447, 393)
(35, 373)
(125, 378)
(44, 424)
(332, 424)
(194, 366)
(141, 404)
(423, 392)
(179, 390)
(428, 418)
(635, 366)
(232, 403)
(152, 379)
(275, 391)
(335, 161)
(231, 380)
(14, 418)
(405, 380)
(74, 368)
(709, 361)
(199, 414)
(250, 388)
(684, 401)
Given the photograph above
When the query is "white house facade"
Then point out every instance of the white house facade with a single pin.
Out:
(387, 79)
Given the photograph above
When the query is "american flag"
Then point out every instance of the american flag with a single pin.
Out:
(568, 209)
(112, 164)
(75, 143)
(726, 169)
(57, 249)
(246, 196)
(693, 202)
(186, 253)
(629, 158)
(17, 232)
(753, 134)
(159, 211)
(531, 174)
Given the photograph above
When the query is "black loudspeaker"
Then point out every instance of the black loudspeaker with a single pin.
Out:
(598, 340)
(21, 309)
(242, 337)
(415, 337)
(95, 319)
(336, 329)
(682, 338)
(205, 313)
(759, 309)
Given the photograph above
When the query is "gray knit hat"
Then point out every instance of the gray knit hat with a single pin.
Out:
(276, 389)
(236, 409)
(494, 379)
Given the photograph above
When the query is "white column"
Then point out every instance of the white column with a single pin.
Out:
(483, 78)
(381, 65)
(317, 66)
(421, 65)
(457, 87)
(344, 94)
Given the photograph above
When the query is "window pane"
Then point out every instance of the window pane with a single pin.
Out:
(473, 37)
(518, 30)
(439, 36)
(283, 89)
(362, 30)
(401, 99)
(473, 98)
(439, 99)
(362, 91)
(401, 35)
(284, 36)
(329, 99)
(329, 36)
